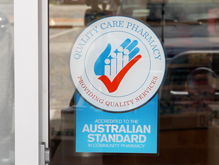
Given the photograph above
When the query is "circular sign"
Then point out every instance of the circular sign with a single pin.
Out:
(117, 64)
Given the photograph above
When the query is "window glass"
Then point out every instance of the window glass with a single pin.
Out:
(6, 83)
(188, 106)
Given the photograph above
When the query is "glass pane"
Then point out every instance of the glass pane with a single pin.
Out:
(6, 83)
(188, 106)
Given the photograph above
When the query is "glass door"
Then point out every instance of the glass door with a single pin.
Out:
(187, 119)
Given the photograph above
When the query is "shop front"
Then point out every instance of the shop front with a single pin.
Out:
(112, 82)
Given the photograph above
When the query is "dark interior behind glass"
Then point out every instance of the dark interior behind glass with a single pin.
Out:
(188, 98)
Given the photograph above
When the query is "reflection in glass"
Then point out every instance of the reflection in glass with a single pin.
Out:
(7, 148)
(188, 98)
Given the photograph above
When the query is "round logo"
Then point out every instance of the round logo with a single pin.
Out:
(117, 64)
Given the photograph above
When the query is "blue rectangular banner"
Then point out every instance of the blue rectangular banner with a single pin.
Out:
(127, 132)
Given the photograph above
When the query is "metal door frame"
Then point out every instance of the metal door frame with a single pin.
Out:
(31, 80)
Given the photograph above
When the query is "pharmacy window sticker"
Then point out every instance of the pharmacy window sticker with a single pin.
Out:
(117, 65)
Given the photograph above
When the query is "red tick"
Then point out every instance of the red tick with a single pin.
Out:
(112, 86)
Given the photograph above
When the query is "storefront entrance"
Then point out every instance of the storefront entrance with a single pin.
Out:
(187, 100)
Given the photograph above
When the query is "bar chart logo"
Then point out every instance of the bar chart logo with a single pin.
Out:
(117, 64)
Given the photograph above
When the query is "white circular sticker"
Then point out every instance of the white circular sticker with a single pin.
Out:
(117, 64)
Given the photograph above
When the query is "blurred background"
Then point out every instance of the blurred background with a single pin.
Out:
(7, 131)
(188, 98)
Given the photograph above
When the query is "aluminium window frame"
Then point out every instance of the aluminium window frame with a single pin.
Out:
(31, 80)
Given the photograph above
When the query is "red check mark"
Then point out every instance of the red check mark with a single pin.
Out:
(112, 86)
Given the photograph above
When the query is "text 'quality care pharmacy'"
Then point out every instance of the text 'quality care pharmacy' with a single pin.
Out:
(117, 65)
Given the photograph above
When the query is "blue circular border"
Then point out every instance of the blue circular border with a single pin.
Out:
(88, 77)
(164, 64)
